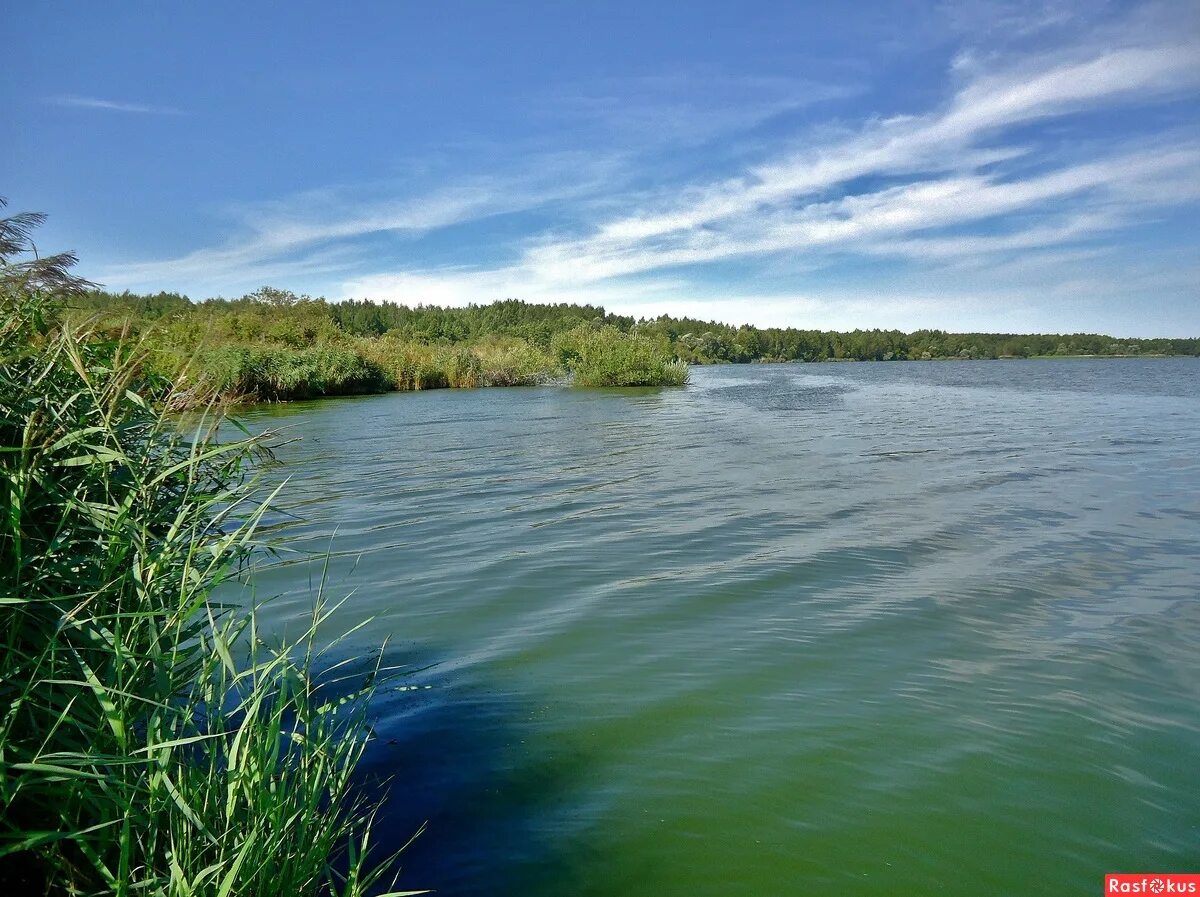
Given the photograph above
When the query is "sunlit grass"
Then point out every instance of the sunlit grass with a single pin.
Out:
(271, 373)
(606, 356)
(509, 361)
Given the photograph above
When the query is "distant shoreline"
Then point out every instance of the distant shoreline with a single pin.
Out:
(948, 358)
(273, 345)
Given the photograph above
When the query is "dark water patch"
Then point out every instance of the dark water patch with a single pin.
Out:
(464, 789)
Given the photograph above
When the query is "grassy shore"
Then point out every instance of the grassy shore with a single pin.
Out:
(274, 346)
(151, 741)
(242, 372)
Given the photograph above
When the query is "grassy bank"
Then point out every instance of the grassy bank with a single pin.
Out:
(151, 742)
(273, 346)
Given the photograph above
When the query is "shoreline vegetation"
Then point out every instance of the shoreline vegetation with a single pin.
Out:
(153, 740)
(273, 345)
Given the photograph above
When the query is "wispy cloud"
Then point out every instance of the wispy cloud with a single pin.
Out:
(715, 219)
(280, 238)
(779, 207)
(272, 235)
(683, 107)
(79, 102)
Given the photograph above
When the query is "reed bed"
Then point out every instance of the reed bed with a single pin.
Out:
(152, 741)
(606, 356)
(589, 355)
(272, 346)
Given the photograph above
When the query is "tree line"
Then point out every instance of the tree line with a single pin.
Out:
(281, 316)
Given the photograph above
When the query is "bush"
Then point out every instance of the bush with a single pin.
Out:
(605, 356)
(277, 373)
(510, 361)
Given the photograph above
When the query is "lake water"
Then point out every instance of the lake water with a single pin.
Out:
(897, 628)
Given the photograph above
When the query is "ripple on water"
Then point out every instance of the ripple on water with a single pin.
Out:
(889, 628)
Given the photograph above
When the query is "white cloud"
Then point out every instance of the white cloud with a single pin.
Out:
(79, 102)
(690, 231)
(273, 231)
(280, 238)
(681, 108)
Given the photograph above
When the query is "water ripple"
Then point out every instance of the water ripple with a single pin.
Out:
(934, 625)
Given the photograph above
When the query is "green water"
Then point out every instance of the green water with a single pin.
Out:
(857, 629)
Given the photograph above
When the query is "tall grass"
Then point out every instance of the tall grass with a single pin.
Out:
(272, 373)
(510, 361)
(269, 347)
(151, 741)
(414, 366)
(606, 356)
(497, 361)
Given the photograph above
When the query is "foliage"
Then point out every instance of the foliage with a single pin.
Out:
(510, 361)
(272, 373)
(150, 741)
(272, 344)
(414, 366)
(708, 342)
(606, 356)
(535, 324)
(261, 317)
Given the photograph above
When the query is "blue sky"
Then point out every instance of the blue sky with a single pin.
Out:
(966, 165)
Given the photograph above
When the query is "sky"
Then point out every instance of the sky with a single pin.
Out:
(974, 165)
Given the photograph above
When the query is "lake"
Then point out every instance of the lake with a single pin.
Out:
(891, 628)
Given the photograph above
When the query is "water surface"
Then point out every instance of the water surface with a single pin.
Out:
(897, 628)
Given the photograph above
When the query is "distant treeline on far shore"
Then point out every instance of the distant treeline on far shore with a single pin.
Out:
(274, 344)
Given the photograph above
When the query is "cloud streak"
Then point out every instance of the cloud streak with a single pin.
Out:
(79, 102)
(756, 212)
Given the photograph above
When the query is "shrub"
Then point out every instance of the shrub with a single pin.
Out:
(511, 361)
(605, 356)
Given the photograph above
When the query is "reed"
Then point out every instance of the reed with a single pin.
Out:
(606, 356)
(411, 365)
(274, 373)
(511, 361)
(500, 361)
(152, 741)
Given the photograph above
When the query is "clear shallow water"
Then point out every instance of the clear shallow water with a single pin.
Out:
(897, 628)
